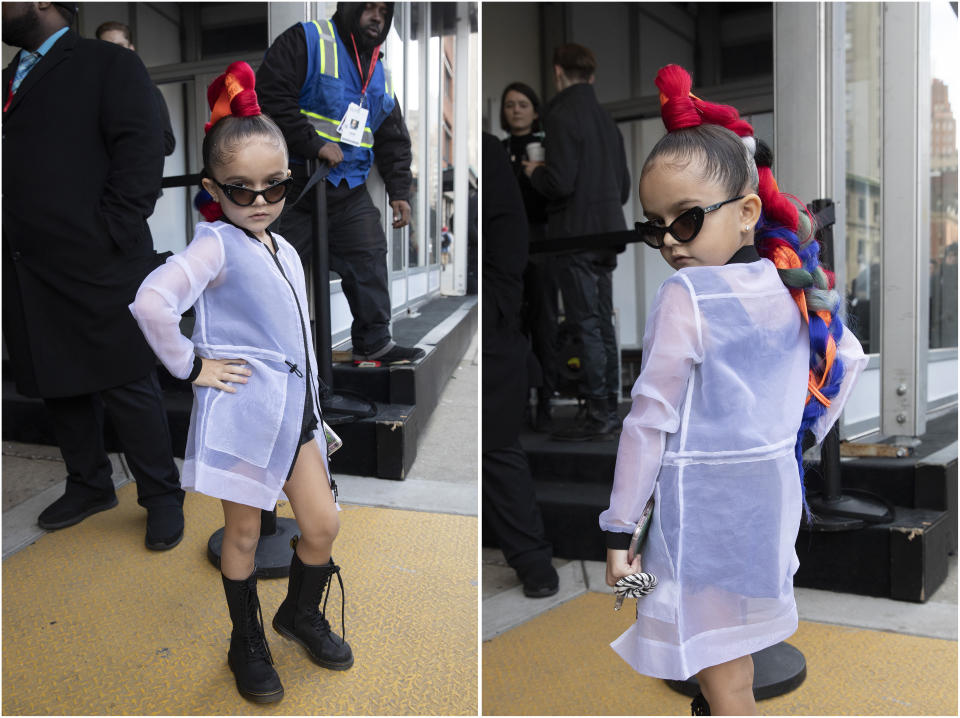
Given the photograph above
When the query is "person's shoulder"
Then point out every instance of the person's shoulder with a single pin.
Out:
(677, 289)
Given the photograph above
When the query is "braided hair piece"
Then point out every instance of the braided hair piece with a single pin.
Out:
(777, 238)
(234, 116)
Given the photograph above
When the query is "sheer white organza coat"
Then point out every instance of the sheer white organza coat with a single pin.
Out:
(241, 446)
(711, 436)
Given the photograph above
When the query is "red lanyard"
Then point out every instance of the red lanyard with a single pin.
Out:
(9, 94)
(373, 64)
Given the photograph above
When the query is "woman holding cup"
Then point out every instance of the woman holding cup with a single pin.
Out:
(520, 117)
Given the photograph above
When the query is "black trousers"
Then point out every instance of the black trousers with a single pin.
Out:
(586, 285)
(358, 253)
(140, 420)
(540, 292)
(510, 507)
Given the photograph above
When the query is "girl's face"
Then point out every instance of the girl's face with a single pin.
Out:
(519, 112)
(668, 188)
(255, 165)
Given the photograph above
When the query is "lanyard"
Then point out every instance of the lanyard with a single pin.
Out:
(9, 93)
(373, 63)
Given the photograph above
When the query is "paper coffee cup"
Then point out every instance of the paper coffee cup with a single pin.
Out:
(535, 152)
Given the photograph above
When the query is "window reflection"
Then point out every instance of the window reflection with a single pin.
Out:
(863, 165)
(943, 176)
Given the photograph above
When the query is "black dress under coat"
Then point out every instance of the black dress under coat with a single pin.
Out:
(82, 163)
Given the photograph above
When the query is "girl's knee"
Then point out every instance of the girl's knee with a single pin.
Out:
(242, 536)
(321, 533)
(727, 678)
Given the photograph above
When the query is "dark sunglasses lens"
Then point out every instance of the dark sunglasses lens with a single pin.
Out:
(275, 193)
(652, 236)
(686, 226)
(242, 197)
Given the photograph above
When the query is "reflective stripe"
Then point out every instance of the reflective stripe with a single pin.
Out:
(387, 81)
(328, 43)
(327, 128)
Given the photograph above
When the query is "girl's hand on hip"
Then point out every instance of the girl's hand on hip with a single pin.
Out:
(217, 372)
(618, 566)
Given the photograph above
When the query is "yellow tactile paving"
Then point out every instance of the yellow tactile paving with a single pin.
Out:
(94, 623)
(560, 663)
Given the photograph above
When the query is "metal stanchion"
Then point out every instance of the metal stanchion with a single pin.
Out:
(337, 408)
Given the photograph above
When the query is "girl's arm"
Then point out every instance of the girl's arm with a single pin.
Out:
(171, 289)
(672, 345)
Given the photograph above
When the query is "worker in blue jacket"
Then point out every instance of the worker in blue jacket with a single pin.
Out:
(325, 85)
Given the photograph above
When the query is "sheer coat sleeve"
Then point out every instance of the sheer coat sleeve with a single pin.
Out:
(672, 346)
(171, 289)
(854, 361)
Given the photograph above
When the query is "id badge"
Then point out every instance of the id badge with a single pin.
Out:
(352, 125)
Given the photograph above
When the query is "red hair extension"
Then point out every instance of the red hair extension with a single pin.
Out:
(676, 104)
(680, 108)
(232, 93)
(776, 208)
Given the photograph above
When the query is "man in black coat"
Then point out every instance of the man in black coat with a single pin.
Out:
(587, 182)
(509, 501)
(82, 163)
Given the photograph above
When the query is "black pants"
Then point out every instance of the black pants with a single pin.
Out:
(510, 507)
(358, 253)
(586, 285)
(540, 314)
(138, 416)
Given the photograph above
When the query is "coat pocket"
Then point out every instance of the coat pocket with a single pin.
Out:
(246, 424)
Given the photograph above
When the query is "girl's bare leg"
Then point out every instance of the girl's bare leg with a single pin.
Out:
(312, 501)
(241, 532)
(728, 687)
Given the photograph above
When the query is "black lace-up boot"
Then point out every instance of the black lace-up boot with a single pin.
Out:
(249, 656)
(300, 618)
(699, 706)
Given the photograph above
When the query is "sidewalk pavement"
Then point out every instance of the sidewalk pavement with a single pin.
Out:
(865, 655)
(94, 623)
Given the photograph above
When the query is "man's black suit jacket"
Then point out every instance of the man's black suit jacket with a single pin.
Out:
(82, 163)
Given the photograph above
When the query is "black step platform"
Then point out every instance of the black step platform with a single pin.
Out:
(384, 445)
(905, 559)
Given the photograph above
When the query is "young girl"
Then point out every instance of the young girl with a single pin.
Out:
(253, 430)
(732, 376)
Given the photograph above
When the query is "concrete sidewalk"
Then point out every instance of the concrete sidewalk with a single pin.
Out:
(865, 656)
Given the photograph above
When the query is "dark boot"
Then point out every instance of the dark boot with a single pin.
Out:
(544, 416)
(699, 706)
(299, 617)
(249, 656)
(596, 424)
(613, 415)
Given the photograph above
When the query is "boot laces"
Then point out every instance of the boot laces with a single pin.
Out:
(319, 620)
(254, 636)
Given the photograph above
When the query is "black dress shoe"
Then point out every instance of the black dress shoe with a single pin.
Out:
(396, 355)
(540, 580)
(72, 509)
(164, 527)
